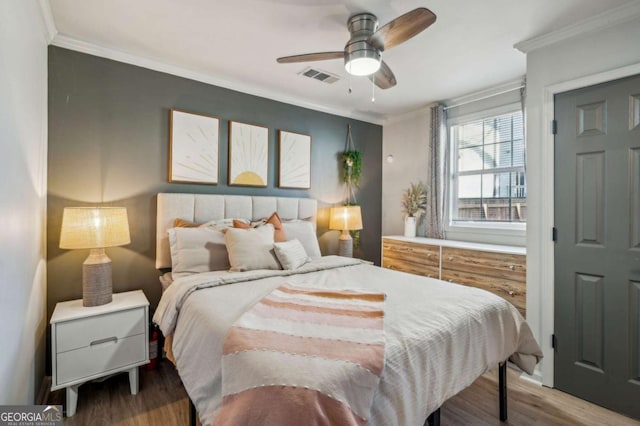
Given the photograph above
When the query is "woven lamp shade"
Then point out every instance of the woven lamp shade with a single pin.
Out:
(94, 227)
(345, 218)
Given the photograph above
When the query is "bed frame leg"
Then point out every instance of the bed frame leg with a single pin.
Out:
(502, 390)
(192, 413)
(434, 418)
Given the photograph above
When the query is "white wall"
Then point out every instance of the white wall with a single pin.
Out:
(406, 138)
(549, 69)
(23, 160)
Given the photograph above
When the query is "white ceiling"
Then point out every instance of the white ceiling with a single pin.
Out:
(469, 48)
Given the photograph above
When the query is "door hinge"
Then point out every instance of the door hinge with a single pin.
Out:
(554, 234)
(554, 127)
(554, 341)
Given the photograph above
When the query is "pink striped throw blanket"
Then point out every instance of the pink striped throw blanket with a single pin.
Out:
(303, 356)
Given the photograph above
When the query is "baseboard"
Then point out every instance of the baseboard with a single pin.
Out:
(535, 378)
(45, 390)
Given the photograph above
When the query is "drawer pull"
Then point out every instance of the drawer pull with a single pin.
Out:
(450, 257)
(511, 293)
(512, 267)
(113, 339)
(430, 255)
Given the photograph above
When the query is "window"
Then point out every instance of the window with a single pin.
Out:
(488, 169)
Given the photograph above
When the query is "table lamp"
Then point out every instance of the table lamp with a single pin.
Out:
(345, 219)
(95, 228)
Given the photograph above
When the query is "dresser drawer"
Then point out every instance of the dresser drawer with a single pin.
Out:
(513, 291)
(508, 266)
(100, 358)
(79, 333)
(424, 254)
(410, 267)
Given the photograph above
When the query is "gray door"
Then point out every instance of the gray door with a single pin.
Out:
(597, 254)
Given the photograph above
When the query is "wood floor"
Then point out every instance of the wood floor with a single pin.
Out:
(163, 401)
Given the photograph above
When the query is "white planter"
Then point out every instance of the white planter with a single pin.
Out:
(409, 226)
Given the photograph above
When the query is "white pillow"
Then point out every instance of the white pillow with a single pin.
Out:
(196, 250)
(291, 254)
(251, 248)
(303, 231)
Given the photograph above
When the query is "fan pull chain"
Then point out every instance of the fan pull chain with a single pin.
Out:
(373, 91)
(349, 77)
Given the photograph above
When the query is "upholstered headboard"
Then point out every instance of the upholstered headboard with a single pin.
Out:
(201, 208)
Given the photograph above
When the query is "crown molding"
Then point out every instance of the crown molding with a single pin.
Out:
(509, 86)
(50, 30)
(616, 16)
(67, 42)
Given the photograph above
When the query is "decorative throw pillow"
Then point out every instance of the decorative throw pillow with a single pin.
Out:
(251, 248)
(303, 231)
(279, 235)
(181, 223)
(291, 254)
(237, 223)
(196, 250)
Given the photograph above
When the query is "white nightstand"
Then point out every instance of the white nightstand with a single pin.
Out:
(92, 342)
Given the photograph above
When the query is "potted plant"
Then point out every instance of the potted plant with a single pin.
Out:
(414, 203)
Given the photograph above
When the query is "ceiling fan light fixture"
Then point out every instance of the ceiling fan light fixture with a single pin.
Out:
(362, 66)
(362, 61)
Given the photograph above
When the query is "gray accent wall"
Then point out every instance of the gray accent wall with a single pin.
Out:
(109, 143)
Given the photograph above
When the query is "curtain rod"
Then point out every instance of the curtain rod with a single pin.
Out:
(484, 97)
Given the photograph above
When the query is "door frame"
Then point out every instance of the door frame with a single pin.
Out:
(544, 282)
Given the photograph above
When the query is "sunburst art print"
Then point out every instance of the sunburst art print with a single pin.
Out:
(295, 160)
(193, 147)
(248, 154)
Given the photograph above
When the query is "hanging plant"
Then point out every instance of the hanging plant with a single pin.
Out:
(352, 166)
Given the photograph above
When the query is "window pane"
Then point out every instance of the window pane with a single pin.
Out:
(498, 155)
(496, 185)
(470, 159)
(469, 134)
(470, 186)
(469, 209)
(518, 153)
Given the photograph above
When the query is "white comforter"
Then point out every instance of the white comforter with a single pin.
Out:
(440, 337)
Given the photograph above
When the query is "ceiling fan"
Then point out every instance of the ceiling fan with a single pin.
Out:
(363, 52)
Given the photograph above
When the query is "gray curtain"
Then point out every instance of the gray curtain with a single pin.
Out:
(437, 187)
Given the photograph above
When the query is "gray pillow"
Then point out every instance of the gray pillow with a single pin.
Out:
(196, 250)
(303, 231)
(251, 249)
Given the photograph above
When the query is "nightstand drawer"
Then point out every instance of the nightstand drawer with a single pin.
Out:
(79, 333)
(100, 358)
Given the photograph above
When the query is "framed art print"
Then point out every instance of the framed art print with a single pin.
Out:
(193, 147)
(294, 160)
(248, 154)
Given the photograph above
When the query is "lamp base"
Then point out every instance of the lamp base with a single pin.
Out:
(345, 244)
(96, 279)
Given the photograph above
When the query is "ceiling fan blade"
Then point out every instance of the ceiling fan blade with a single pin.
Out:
(309, 57)
(383, 78)
(402, 28)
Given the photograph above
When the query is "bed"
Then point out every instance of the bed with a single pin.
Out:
(439, 337)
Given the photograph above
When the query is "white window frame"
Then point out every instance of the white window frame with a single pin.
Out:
(508, 233)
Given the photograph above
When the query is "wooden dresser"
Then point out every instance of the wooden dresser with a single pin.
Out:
(501, 270)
